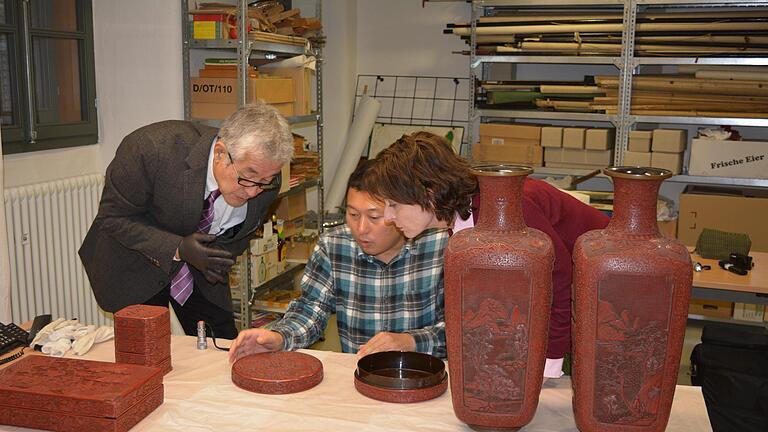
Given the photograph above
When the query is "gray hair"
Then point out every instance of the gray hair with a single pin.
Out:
(258, 128)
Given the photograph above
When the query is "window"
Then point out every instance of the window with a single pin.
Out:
(47, 83)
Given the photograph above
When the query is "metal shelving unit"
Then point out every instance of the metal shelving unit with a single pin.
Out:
(246, 49)
(627, 64)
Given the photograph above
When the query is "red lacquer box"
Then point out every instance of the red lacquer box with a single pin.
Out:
(143, 319)
(143, 346)
(77, 395)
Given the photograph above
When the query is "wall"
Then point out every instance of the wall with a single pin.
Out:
(137, 48)
(377, 37)
(400, 37)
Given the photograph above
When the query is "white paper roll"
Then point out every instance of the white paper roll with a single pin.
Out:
(357, 138)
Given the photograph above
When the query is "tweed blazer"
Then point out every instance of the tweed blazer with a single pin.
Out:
(152, 198)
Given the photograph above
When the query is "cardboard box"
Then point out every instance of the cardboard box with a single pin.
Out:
(223, 73)
(577, 156)
(639, 141)
(574, 165)
(515, 131)
(292, 206)
(495, 141)
(711, 308)
(205, 110)
(599, 139)
(641, 159)
(300, 249)
(551, 136)
(285, 178)
(224, 90)
(740, 210)
(748, 312)
(668, 228)
(302, 85)
(669, 140)
(264, 260)
(742, 159)
(521, 154)
(670, 161)
(573, 138)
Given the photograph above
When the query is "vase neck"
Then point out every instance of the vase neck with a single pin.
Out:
(501, 203)
(634, 207)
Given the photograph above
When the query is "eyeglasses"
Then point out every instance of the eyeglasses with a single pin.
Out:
(250, 183)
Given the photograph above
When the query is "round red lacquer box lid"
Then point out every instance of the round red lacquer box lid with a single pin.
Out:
(279, 372)
(401, 377)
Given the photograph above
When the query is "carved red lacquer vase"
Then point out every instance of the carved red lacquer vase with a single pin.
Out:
(498, 295)
(631, 290)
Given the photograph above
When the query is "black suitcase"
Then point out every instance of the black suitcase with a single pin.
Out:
(731, 366)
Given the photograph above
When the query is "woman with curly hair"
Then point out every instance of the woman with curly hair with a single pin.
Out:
(426, 185)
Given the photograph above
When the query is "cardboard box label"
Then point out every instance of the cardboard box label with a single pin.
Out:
(224, 90)
(741, 159)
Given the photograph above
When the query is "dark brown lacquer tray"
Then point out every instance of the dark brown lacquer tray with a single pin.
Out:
(279, 372)
(401, 377)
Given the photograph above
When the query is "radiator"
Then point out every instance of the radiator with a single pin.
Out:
(46, 224)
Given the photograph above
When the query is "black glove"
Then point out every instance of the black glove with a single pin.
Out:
(194, 249)
(215, 276)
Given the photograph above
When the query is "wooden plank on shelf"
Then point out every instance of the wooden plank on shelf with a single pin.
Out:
(581, 106)
(733, 75)
(666, 27)
(697, 113)
(272, 37)
(689, 85)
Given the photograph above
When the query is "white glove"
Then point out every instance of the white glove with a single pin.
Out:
(65, 332)
(85, 340)
(83, 344)
(104, 333)
(57, 348)
(42, 336)
(65, 323)
(84, 330)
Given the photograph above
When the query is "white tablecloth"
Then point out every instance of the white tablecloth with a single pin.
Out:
(200, 396)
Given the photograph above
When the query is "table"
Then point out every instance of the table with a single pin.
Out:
(719, 284)
(200, 396)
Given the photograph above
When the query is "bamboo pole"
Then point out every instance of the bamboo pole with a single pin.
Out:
(615, 27)
(575, 89)
(616, 48)
(702, 106)
(682, 85)
(692, 69)
(667, 16)
(733, 75)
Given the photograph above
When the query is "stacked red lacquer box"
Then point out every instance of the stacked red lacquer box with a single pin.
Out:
(143, 336)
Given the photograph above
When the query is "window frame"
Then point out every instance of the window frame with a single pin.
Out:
(16, 139)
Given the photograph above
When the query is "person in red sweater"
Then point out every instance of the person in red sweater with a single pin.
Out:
(426, 185)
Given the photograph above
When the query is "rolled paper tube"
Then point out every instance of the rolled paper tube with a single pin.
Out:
(357, 138)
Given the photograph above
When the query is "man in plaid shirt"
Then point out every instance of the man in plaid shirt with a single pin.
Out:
(387, 291)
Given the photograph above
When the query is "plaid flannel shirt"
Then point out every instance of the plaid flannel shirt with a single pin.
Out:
(370, 296)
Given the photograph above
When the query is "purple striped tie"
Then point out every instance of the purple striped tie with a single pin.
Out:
(181, 287)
